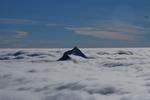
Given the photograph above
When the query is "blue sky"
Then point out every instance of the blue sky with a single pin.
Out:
(66, 23)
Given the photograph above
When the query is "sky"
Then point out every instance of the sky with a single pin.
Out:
(68, 23)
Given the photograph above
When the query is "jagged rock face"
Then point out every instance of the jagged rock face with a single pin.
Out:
(75, 51)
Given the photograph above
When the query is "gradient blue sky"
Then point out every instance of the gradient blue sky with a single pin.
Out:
(65, 23)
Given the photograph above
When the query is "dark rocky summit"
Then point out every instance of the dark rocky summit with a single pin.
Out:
(75, 51)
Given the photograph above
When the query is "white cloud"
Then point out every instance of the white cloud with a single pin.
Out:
(53, 24)
(62, 25)
(9, 42)
(123, 27)
(117, 31)
(14, 21)
(20, 34)
(12, 38)
(102, 34)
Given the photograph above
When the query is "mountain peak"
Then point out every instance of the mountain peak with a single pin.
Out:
(75, 47)
(75, 51)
